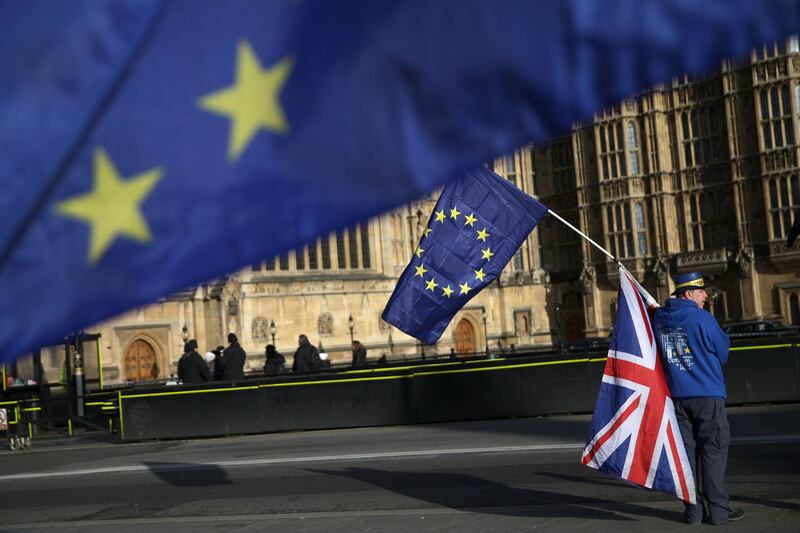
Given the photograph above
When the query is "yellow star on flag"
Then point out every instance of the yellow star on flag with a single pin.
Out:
(470, 220)
(426, 232)
(418, 251)
(464, 288)
(440, 216)
(251, 103)
(686, 350)
(454, 212)
(431, 284)
(447, 291)
(112, 209)
(479, 274)
(487, 253)
(420, 270)
(482, 234)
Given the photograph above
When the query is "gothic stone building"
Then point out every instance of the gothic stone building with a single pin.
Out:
(702, 175)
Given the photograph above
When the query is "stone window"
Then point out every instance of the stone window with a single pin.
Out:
(777, 129)
(612, 151)
(784, 196)
(619, 231)
(701, 136)
(708, 219)
(633, 148)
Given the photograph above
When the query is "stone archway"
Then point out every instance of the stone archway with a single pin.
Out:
(140, 361)
(465, 337)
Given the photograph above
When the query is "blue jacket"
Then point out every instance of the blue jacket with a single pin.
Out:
(693, 348)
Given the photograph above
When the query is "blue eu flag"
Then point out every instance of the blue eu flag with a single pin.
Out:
(478, 224)
(148, 145)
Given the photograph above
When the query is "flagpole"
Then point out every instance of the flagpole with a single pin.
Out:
(582, 234)
(612, 257)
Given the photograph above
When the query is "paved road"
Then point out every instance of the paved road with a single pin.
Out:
(508, 475)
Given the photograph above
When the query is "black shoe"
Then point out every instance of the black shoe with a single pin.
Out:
(735, 514)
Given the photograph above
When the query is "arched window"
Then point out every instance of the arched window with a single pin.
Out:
(797, 99)
(687, 139)
(633, 148)
(776, 113)
(640, 230)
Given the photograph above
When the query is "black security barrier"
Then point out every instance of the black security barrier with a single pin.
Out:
(759, 370)
(522, 386)
(763, 370)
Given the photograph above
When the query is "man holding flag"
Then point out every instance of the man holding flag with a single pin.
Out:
(694, 348)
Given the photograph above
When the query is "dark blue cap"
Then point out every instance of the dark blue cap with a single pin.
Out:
(688, 281)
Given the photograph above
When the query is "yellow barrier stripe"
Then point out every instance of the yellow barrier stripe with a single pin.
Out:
(507, 367)
(100, 362)
(594, 360)
(27, 409)
(334, 381)
(199, 391)
(765, 347)
(121, 424)
(374, 378)
(13, 402)
(99, 403)
(327, 382)
(407, 367)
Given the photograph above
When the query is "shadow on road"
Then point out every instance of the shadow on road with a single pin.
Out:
(475, 494)
(766, 503)
(189, 474)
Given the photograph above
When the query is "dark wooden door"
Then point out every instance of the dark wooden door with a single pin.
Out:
(465, 337)
(140, 360)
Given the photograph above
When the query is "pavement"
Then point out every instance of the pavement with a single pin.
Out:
(509, 475)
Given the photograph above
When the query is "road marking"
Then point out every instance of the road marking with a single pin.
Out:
(285, 460)
(557, 447)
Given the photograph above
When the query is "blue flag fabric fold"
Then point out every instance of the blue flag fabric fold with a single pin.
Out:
(477, 226)
(153, 144)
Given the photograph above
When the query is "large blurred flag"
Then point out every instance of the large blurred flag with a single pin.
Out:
(151, 144)
(634, 433)
(477, 225)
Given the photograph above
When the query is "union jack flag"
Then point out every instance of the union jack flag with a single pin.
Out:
(634, 433)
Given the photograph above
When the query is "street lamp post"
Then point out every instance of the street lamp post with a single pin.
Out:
(350, 324)
(272, 330)
(485, 330)
(391, 344)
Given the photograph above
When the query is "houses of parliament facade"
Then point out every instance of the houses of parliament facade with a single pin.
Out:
(694, 175)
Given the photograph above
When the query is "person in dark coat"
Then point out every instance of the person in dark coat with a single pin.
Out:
(191, 366)
(218, 365)
(275, 363)
(233, 360)
(306, 358)
(359, 354)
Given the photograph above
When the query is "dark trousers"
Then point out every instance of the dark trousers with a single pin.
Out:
(706, 434)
